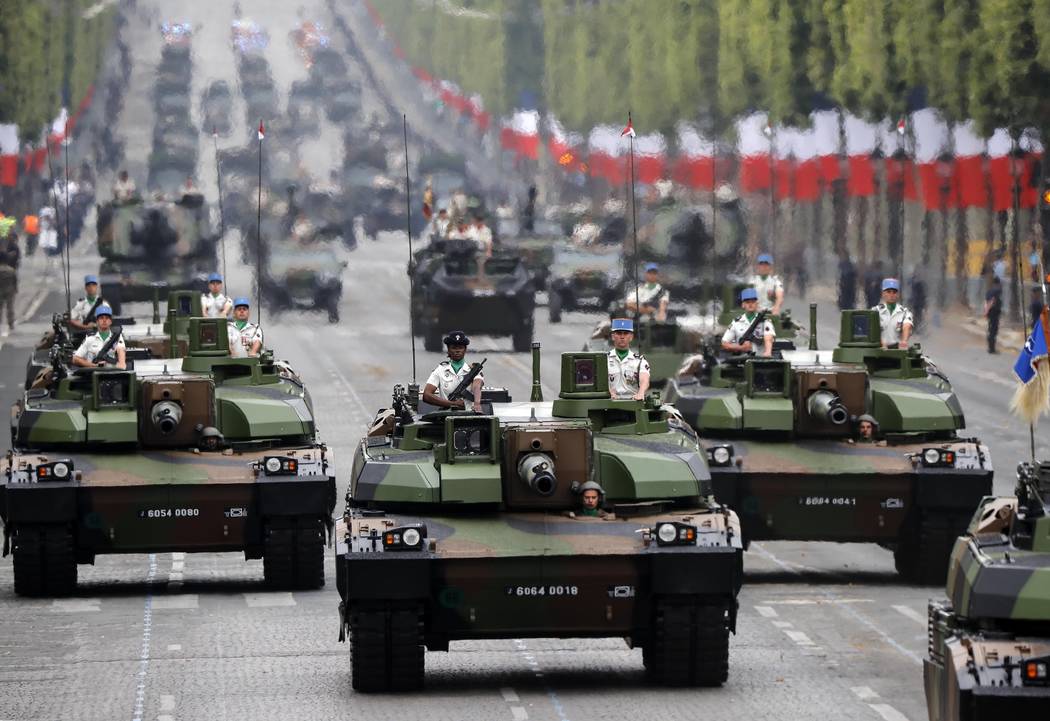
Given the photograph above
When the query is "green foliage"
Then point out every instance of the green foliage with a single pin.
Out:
(49, 56)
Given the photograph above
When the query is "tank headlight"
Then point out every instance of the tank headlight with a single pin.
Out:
(931, 456)
(54, 471)
(720, 455)
(675, 534)
(61, 470)
(938, 457)
(280, 466)
(405, 538)
(273, 465)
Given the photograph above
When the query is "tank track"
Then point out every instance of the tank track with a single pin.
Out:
(44, 560)
(926, 542)
(386, 647)
(293, 553)
(689, 644)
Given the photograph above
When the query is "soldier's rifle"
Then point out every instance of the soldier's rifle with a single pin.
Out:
(749, 333)
(108, 345)
(463, 389)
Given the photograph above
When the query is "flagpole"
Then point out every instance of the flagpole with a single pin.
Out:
(222, 217)
(411, 273)
(65, 249)
(258, 233)
(634, 223)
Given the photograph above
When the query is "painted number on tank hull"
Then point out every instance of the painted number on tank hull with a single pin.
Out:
(542, 591)
(169, 512)
(827, 501)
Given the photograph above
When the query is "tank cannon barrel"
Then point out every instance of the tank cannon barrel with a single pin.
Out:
(827, 406)
(166, 417)
(536, 471)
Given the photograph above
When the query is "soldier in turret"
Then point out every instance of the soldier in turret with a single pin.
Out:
(733, 339)
(448, 374)
(628, 370)
(82, 315)
(652, 298)
(770, 287)
(97, 350)
(246, 338)
(894, 318)
(214, 303)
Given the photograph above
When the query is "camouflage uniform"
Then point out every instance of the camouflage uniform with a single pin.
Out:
(624, 374)
(445, 378)
(767, 288)
(242, 339)
(893, 322)
(93, 344)
(9, 260)
(735, 332)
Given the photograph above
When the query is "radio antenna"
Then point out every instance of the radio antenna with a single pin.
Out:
(222, 216)
(408, 227)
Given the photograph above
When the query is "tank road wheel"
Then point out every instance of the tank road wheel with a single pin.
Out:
(689, 644)
(44, 561)
(522, 339)
(293, 553)
(925, 543)
(386, 648)
(554, 304)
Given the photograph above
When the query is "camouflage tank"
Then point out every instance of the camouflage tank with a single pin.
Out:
(143, 244)
(454, 286)
(200, 453)
(664, 343)
(989, 642)
(781, 437)
(460, 526)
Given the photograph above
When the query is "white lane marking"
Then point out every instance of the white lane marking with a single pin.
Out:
(174, 646)
(887, 712)
(34, 306)
(182, 602)
(758, 548)
(178, 556)
(509, 695)
(175, 577)
(817, 601)
(909, 612)
(75, 605)
(864, 693)
(799, 637)
(147, 631)
(165, 717)
(766, 611)
(782, 624)
(178, 566)
(267, 600)
(518, 713)
(555, 700)
(167, 702)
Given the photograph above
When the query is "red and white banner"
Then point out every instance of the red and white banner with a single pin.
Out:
(650, 158)
(695, 165)
(606, 148)
(563, 145)
(754, 146)
(521, 133)
(861, 139)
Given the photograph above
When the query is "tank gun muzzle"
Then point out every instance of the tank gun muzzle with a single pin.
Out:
(828, 407)
(536, 470)
(166, 417)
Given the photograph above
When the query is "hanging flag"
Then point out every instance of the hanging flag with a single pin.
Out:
(262, 131)
(629, 130)
(1032, 398)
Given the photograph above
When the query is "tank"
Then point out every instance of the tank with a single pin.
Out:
(158, 242)
(583, 278)
(199, 453)
(989, 641)
(781, 436)
(468, 526)
(454, 286)
(304, 277)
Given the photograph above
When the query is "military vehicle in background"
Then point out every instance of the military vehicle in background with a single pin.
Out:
(469, 526)
(257, 87)
(781, 437)
(304, 108)
(989, 642)
(583, 277)
(665, 344)
(202, 453)
(173, 154)
(455, 286)
(536, 248)
(216, 107)
(303, 277)
(144, 244)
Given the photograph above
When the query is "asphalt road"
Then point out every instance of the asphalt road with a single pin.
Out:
(826, 631)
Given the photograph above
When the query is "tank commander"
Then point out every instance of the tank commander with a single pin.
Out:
(628, 370)
(214, 303)
(895, 318)
(82, 315)
(733, 339)
(100, 349)
(246, 338)
(591, 498)
(769, 287)
(651, 298)
(448, 374)
(124, 190)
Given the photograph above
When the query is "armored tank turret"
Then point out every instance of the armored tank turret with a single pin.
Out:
(989, 642)
(199, 453)
(585, 517)
(163, 243)
(785, 441)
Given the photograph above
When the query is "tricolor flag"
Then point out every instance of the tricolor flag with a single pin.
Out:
(1032, 398)
(629, 130)
(262, 131)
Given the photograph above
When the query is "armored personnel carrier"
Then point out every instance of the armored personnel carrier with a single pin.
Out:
(146, 243)
(782, 438)
(200, 453)
(989, 642)
(306, 277)
(583, 278)
(457, 287)
(469, 526)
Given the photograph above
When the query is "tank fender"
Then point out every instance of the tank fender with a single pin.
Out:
(53, 502)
